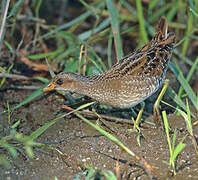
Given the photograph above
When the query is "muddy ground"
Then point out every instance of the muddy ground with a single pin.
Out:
(81, 144)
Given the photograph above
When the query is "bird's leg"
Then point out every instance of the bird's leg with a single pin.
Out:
(133, 112)
(137, 121)
(156, 112)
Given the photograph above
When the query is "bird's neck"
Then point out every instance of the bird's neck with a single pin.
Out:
(87, 84)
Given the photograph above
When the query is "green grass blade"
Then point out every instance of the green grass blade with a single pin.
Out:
(50, 70)
(187, 118)
(8, 71)
(4, 161)
(16, 7)
(37, 9)
(43, 128)
(9, 46)
(193, 11)
(171, 93)
(96, 65)
(90, 174)
(29, 98)
(108, 135)
(172, 12)
(85, 35)
(109, 175)
(69, 24)
(49, 55)
(115, 28)
(99, 60)
(16, 124)
(183, 58)
(156, 15)
(131, 9)
(167, 134)
(69, 50)
(109, 50)
(42, 79)
(179, 148)
(192, 7)
(189, 29)
(190, 73)
(9, 148)
(143, 32)
(179, 75)
(152, 4)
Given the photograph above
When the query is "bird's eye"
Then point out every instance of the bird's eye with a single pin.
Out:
(59, 82)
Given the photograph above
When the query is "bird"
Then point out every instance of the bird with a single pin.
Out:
(131, 80)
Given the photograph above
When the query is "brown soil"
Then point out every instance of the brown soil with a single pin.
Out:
(81, 144)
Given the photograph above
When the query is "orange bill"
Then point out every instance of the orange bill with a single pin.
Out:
(49, 87)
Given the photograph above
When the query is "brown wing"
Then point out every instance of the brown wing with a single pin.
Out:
(151, 60)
